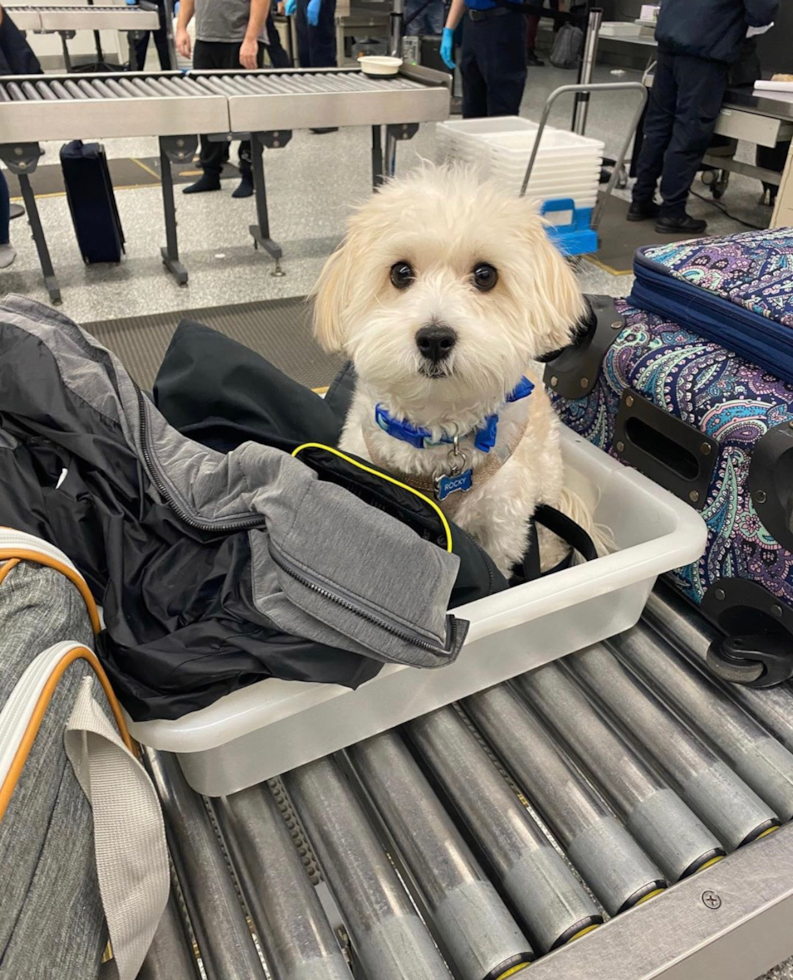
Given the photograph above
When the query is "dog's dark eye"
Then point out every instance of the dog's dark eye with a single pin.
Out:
(402, 275)
(485, 277)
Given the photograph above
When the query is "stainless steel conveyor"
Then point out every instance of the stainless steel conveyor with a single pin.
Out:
(479, 837)
(263, 105)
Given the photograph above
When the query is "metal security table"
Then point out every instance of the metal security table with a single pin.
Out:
(268, 105)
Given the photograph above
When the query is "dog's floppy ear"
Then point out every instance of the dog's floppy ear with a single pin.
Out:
(557, 303)
(331, 300)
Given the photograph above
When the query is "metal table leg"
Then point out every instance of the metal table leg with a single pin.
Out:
(261, 230)
(22, 159)
(38, 237)
(396, 133)
(176, 149)
(67, 60)
(378, 175)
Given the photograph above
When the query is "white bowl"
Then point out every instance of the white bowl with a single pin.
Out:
(375, 64)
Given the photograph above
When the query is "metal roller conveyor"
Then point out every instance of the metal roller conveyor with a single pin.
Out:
(81, 17)
(265, 105)
(170, 956)
(691, 635)
(549, 898)
(604, 853)
(756, 756)
(389, 937)
(224, 939)
(653, 813)
(66, 108)
(297, 939)
(481, 936)
(717, 795)
(334, 97)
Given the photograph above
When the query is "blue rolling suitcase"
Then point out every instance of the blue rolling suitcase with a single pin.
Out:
(89, 191)
(691, 381)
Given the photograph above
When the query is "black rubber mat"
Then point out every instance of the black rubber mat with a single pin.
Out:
(47, 180)
(619, 238)
(278, 329)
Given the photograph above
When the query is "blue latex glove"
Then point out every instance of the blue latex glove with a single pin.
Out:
(312, 13)
(447, 47)
(290, 8)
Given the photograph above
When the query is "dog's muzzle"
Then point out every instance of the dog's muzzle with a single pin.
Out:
(435, 342)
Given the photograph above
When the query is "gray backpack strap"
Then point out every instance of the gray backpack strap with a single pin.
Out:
(129, 834)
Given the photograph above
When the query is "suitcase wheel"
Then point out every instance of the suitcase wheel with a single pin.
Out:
(762, 660)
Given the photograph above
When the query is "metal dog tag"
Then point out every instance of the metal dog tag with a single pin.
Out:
(456, 483)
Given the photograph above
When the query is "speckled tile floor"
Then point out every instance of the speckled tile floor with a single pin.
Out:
(312, 184)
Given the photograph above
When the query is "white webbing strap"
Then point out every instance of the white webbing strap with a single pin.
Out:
(129, 834)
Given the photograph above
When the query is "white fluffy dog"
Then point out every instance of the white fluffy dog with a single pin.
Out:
(444, 293)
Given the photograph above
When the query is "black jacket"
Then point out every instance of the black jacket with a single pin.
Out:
(16, 55)
(710, 29)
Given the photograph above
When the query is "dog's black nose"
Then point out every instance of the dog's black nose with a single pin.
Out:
(435, 341)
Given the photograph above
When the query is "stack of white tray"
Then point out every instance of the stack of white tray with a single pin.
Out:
(567, 165)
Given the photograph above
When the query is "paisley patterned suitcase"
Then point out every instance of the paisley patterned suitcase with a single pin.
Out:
(711, 426)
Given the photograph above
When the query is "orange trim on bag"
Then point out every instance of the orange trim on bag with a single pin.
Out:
(22, 554)
(9, 566)
(29, 737)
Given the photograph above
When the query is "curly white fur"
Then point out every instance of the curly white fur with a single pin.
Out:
(444, 222)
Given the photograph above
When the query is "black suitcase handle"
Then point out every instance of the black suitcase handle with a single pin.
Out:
(573, 371)
(770, 482)
(671, 452)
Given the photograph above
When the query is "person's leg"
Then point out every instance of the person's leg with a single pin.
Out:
(474, 87)
(7, 251)
(531, 40)
(701, 86)
(658, 124)
(278, 56)
(211, 54)
(503, 63)
(161, 40)
(413, 19)
(434, 17)
(140, 47)
(245, 186)
(302, 30)
(322, 38)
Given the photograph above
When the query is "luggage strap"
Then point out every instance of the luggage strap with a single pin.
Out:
(129, 833)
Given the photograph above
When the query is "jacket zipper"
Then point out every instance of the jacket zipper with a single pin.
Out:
(248, 523)
(408, 636)
(235, 525)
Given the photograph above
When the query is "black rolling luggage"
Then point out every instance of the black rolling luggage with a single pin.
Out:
(92, 202)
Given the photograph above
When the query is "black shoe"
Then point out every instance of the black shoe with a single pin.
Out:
(533, 61)
(244, 188)
(326, 129)
(642, 211)
(207, 182)
(676, 224)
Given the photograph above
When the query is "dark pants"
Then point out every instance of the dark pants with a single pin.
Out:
(218, 54)
(141, 45)
(534, 23)
(684, 102)
(493, 65)
(5, 210)
(316, 46)
(275, 50)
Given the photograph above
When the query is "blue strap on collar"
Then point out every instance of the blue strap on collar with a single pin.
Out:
(421, 438)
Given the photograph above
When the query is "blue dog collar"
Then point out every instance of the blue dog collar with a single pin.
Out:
(421, 438)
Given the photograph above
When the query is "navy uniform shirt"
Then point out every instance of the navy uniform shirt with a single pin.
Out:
(486, 4)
